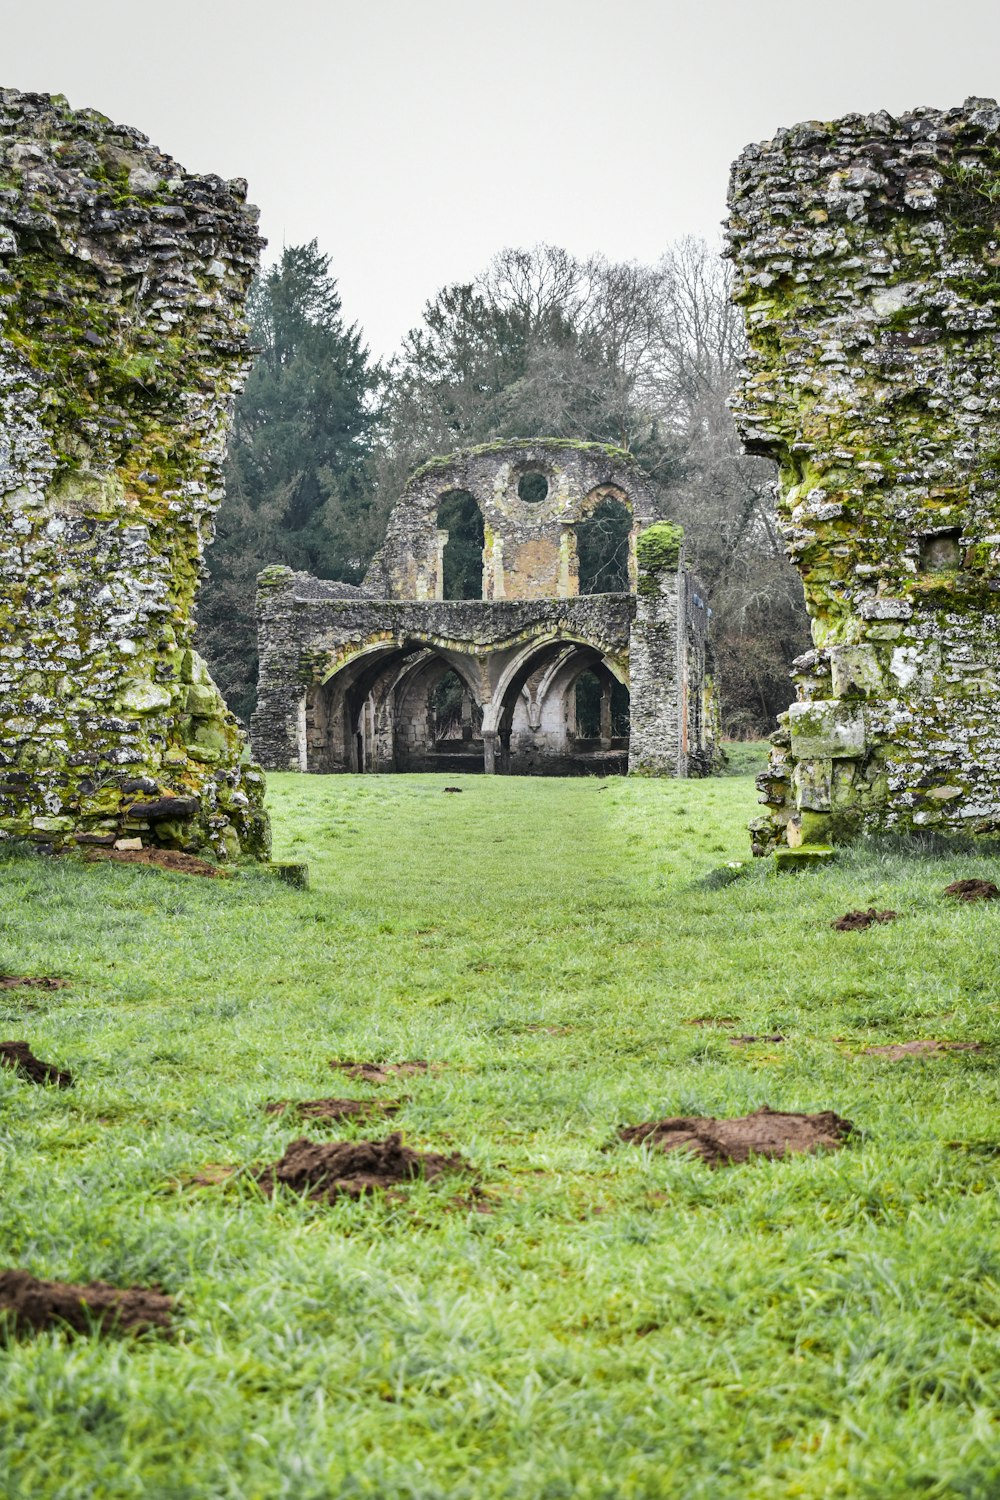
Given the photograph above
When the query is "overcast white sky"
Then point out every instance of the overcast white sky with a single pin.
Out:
(414, 138)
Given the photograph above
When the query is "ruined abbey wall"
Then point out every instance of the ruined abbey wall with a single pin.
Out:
(122, 346)
(867, 258)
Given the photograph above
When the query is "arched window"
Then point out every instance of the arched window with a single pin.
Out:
(602, 545)
(446, 706)
(460, 516)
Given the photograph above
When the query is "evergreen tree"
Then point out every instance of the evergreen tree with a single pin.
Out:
(298, 480)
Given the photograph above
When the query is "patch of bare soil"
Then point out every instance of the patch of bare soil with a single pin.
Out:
(31, 982)
(29, 1304)
(352, 1168)
(210, 1175)
(453, 788)
(857, 921)
(366, 1072)
(20, 1056)
(972, 890)
(333, 1109)
(750, 1040)
(898, 1050)
(163, 859)
(767, 1132)
(711, 1021)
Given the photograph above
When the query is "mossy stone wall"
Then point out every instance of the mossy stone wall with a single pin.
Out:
(122, 347)
(867, 259)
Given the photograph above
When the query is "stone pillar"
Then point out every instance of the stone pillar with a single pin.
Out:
(865, 254)
(605, 712)
(277, 725)
(655, 657)
(122, 347)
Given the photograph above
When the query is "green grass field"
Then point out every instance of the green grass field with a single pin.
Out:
(623, 1324)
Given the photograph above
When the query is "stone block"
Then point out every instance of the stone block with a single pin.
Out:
(856, 672)
(827, 729)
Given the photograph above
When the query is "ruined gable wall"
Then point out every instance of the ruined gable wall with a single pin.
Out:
(530, 547)
(866, 255)
(122, 346)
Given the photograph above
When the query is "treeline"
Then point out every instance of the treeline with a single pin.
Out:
(540, 344)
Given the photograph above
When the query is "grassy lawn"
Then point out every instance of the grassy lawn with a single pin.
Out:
(624, 1323)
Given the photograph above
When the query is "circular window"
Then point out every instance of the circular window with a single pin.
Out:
(533, 487)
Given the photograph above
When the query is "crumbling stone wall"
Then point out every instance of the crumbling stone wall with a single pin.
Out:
(530, 547)
(122, 346)
(346, 674)
(866, 255)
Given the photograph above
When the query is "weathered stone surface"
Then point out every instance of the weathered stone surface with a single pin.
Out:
(866, 255)
(122, 346)
(347, 675)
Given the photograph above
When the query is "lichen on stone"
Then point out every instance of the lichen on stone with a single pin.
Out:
(866, 256)
(122, 347)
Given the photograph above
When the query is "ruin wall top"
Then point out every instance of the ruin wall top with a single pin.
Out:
(532, 493)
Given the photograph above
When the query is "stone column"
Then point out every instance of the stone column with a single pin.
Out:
(122, 347)
(654, 661)
(865, 254)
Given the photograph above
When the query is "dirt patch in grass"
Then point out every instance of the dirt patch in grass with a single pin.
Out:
(725, 1142)
(29, 1305)
(333, 1109)
(211, 1175)
(750, 1040)
(352, 1168)
(19, 1055)
(453, 788)
(972, 890)
(366, 1072)
(896, 1051)
(712, 1021)
(31, 982)
(857, 921)
(162, 859)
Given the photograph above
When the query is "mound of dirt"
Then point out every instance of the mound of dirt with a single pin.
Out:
(453, 788)
(857, 921)
(972, 890)
(749, 1040)
(352, 1168)
(898, 1050)
(29, 1304)
(163, 859)
(31, 982)
(20, 1056)
(767, 1132)
(333, 1109)
(381, 1072)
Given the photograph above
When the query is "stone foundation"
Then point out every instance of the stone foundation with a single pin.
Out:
(122, 347)
(866, 255)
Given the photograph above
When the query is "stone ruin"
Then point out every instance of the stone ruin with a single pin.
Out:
(867, 257)
(480, 665)
(122, 347)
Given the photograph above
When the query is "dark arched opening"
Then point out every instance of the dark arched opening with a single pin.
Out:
(602, 710)
(460, 516)
(456, 717)
(602, 546)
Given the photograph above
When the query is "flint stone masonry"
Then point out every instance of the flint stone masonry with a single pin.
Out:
(122, 346)
(866, 254)
(348, 675)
